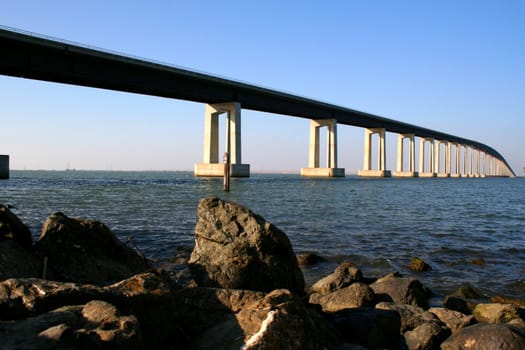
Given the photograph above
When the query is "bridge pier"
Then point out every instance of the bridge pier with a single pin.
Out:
(210, 165)
(331, 169)
(431, 154)
(4, 166)
(446, 159)
(381, 157)
(400, 171)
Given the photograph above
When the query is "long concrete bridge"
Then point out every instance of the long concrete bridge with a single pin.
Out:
(32, 56)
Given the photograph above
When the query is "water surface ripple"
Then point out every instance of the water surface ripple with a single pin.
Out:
(468, 230)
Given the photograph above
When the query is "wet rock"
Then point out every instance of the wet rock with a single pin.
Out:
(417, 264)
(356, 295)
(96, 324)
(12, 228)
(308, 259)
(497, 313)
(86, 251)
(401, 290)
(344, 275)
(17, 262)
(372, 328)
(231, 319)
(485, 336)
(454, 320)
(237, 249)
(464, 299)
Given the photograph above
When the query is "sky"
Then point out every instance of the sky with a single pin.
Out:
(453, 66)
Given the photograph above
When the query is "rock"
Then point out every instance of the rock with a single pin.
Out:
(355, 295)
(17, 262)
(416, 264)
(454, 320)
(485, 336)
(146, 296)
(233, 319)
(96, 324)
(308, 259)
(12, 228)
(401, 290)
(497, 313)
(344, 275)
(372, 328)
(507, 300)
(426, 336)
(411, 316)
(86, 251)
(464, 299)
(237, 249)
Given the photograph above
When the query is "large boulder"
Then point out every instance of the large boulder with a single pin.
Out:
(356, 295)
(86, 251)
(484, 336)
(401, 290)
(96, 324)
(237, 249)
(343, 276)
(12, 228)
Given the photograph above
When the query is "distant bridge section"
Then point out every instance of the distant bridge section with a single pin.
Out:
(32, 56)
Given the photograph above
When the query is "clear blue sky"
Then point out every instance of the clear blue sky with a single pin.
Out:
(453, 66)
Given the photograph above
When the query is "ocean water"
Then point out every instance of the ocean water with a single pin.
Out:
(468, 230)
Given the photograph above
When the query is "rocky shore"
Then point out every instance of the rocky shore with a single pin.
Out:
(241, 287)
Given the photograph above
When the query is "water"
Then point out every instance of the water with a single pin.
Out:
(377, 223)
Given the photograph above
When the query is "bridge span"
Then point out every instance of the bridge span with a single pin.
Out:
(33, 56)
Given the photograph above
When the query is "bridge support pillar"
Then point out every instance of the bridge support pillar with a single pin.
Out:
(400, 171)
(431, 154)
(446, 160)
(331, 169)
(456, 172)
(381, 157)
(210, 165)
(4, 166)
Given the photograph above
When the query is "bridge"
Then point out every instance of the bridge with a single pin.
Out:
(33, 56)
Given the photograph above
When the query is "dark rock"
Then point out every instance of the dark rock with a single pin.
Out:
(356, 295)
(485, 336)
(401, 290)
(146, 296)
(372, 328)
(86, 251)
(464, 299)
(308, 259)
(411, 316)
(232, 319)
(344, 275)
(426, 336)
(17, 262)
(497, 313)
(417, 264)
(96, 324)
(12, 228)
(237, 249)
(454, 320)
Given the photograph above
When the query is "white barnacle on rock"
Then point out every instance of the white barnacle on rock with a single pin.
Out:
(258, 337)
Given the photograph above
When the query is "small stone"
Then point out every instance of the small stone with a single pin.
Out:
(308, 259)
(416, 264)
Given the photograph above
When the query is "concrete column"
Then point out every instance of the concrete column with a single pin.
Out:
(448, 159)
(483, 164)
(401, 172)
(431, 163)
(4, 166)
(478, 164)
(331, 169)
(211, 165)
(381, 157)
(457, 161)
